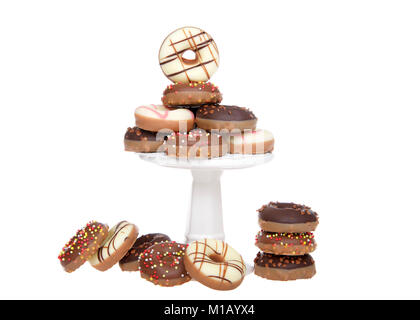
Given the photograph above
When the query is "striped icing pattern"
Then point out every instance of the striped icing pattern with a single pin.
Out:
(217, 260)
(179, 69)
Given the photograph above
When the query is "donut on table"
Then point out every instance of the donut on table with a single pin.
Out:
(83, 245)
(179, 69)
(163, 264)
(130, 262)
(287, 217)
(139, 140)
(252, 142)
(120, 239)
(158, 117)
(284, 268)
(222, 117)
(292, 244)
(197, 144)
(191, 94)
(215, 264)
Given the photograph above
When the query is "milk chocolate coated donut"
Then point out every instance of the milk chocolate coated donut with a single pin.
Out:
(197, 144)
(163, 264)
(221, 117)
(293, 244)
(130, 262)
(120, 239)
(139, 140)
(284, 268)
(179, 69)
(287, 217)
(191, 94)
(83, 245)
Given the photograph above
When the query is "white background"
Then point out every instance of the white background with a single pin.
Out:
(337, 82)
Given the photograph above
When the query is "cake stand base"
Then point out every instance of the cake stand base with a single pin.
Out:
(205, 217)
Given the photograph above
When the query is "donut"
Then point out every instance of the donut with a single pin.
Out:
(163, 264)
(252, 142)
(139, 140)
(120, 239)
(82, 245)
(215, 264)
(287, 217)
(284, 268)
(158, 117)
(221, 117)
(293, 244)
(176, 67)
(191, 94)
(130, 262)
(197, 144)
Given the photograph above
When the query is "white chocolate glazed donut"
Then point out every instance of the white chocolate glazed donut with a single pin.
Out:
(179, 69)
(215, 264)
(120, 239)
(252, 142)
(157, 117)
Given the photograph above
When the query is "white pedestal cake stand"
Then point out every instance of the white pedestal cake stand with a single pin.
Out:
(205, 219)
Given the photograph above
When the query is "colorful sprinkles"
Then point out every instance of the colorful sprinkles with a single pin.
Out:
(163, 263)
(83, 244)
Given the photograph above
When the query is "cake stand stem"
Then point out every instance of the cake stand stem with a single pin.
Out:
(205, 219)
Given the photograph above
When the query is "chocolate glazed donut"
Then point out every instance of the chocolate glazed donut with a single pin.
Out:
(287, 217)
(130, 262)
(163, 264)
(284, 268)
(223, 117)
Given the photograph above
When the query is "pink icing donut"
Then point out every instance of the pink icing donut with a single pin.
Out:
(157, 117)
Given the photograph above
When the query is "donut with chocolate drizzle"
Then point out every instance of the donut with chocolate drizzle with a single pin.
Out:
(120, 239)
(177, 67)
(215, 264)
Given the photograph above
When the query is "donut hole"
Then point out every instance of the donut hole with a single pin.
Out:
(189, 57)
(216, 257)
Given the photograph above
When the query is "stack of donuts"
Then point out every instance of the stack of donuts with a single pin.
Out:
(191, 122)
(286, 241)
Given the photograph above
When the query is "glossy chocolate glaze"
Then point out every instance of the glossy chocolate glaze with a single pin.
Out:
(225, 113)
(141, 244)
(287, 213)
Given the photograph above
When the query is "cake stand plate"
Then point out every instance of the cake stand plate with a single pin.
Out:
(205, 218)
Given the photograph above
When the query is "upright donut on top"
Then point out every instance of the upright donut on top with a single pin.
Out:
(179, 69)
